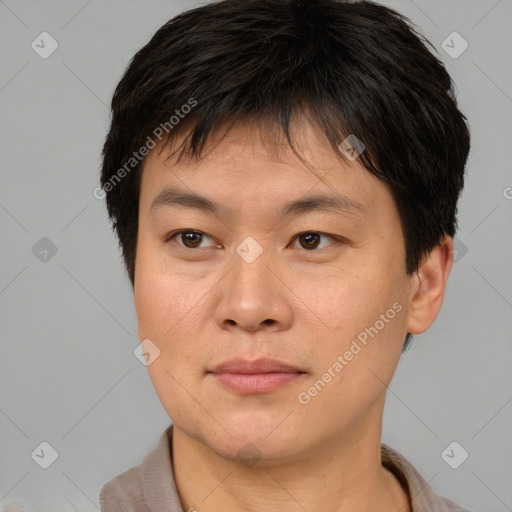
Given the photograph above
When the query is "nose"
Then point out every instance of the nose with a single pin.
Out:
(254, 296)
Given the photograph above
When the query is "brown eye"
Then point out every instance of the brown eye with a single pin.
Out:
(191, 239)
(311, 240)
(188, 239)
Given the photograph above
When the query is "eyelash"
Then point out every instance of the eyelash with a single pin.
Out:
(170, 238)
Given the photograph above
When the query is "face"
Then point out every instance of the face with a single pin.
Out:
(321, 289)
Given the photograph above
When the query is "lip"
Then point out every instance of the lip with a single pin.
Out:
(240, 365)
(255, 377)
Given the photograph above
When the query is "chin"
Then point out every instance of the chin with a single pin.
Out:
(256, 437)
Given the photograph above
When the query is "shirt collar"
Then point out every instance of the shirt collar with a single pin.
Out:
(151, 486)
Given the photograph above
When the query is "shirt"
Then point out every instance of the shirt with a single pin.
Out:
(150, 486)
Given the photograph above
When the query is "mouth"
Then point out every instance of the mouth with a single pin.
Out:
(255, 377)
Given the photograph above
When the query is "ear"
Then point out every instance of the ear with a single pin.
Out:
(428, 287)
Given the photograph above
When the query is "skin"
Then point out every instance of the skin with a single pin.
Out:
(304, 306)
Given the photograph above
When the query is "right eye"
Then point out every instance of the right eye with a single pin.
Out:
(190, 239)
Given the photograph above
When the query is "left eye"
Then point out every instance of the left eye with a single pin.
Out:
(309, 240)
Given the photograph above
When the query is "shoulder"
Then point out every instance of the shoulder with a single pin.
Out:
(124, 493)
(450, 505)
(422, 497)
(147, 487)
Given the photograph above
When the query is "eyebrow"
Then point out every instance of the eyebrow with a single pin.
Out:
(337, 204)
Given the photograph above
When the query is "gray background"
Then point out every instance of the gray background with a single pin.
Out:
(68, 375)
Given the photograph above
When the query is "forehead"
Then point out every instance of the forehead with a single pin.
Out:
(246, 168)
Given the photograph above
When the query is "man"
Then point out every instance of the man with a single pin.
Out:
(283, 177)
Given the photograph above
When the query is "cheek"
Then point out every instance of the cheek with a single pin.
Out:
(363, 314)
(166, 316)
(349, 300)
(161, 313)
(148, 304)
(161, 298)
(170, 313)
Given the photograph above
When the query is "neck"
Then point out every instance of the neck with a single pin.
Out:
(338, 476)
